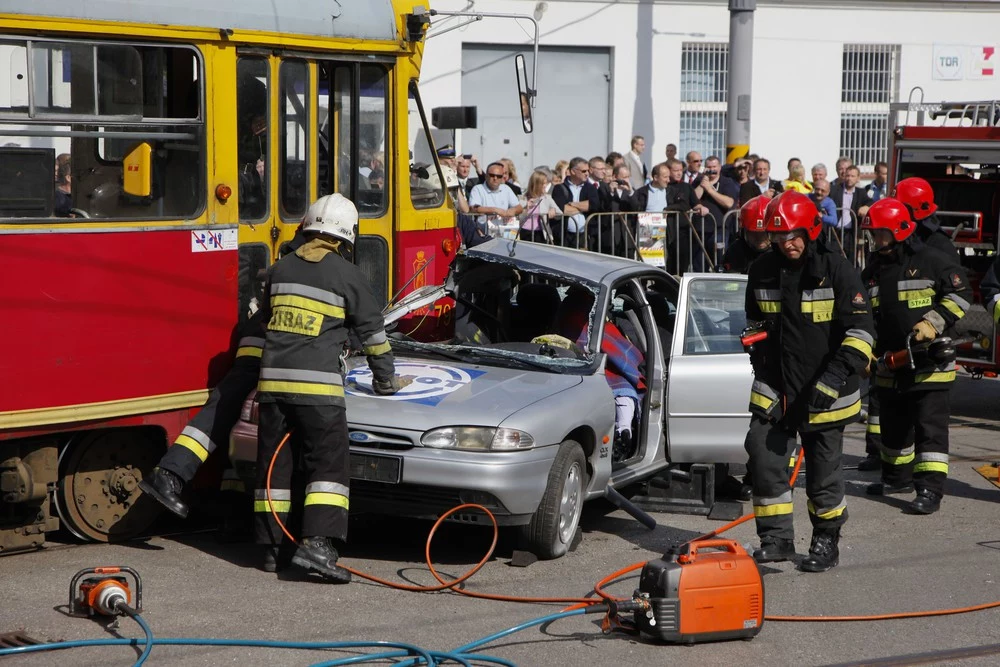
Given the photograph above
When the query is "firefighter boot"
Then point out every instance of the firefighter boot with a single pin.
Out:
(165, 487)
(277, 558)
(774, 549)
(870, 463)
(317, 554)
(884, 489)
(824, 553)
(926, 502)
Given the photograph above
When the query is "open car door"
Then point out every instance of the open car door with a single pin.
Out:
(708, 384)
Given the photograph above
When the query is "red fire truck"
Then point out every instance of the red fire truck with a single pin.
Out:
(956, 147)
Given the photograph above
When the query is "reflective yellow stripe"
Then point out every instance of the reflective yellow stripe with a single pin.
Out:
(772, 510)
(817, 306)
(375, 350)
(859, 345)
(874, 429)
(953, 307)
(311, 388)
(308, 304)
(279, 506)
(940, 376)
(835, 415)
(897, 460)
(760, 400)
(190, 443)
(875, 301)
(249, 352)
(996, 311)
(827, 515)
(769, 306)
(916, 294)
(232, 485)
(321, 498)
(884, 381)
(931, 466)
(829, 391)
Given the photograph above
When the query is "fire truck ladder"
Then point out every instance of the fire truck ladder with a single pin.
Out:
(984, 113)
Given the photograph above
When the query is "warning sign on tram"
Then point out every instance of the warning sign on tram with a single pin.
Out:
(204, 240)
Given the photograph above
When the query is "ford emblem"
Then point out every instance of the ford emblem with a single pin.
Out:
(359, 436)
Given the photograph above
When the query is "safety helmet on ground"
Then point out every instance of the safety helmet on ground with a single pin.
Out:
(791, 211)
(752, 214)
(333, 215)
(917, 194)
(891, 214)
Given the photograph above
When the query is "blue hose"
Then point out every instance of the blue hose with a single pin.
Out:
(149, 639)
(416, 655)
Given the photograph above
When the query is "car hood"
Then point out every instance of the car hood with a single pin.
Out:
(449, 394)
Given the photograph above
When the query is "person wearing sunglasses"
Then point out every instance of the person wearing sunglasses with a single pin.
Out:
(493, 200)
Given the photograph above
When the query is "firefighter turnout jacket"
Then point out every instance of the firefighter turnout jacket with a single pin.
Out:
(819, 321)
(929, 231)
(739, 255)
(315, 296)
(989, 290)
(915, 282)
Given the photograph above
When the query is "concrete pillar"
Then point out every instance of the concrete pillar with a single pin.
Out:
(740, 78)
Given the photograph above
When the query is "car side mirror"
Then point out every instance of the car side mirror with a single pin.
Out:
(524, 93)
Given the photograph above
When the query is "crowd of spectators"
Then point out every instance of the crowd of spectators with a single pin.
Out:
(695, 197)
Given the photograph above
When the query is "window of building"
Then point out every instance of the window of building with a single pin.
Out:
(97, 130)
(704, 68)
(870, 82)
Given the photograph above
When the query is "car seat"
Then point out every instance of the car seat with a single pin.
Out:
(535, 310)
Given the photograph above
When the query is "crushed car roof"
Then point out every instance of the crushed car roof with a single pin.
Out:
(591, 266)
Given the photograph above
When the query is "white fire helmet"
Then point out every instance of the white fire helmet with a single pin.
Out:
(334, 215)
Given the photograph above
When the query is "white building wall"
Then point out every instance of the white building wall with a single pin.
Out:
(797, 60)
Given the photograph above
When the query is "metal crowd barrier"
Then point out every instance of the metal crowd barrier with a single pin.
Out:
(676, 241)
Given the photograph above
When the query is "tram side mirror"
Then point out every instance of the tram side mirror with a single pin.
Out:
(137, 167)
(524, 93)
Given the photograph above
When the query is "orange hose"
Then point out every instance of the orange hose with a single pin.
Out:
(580, 603)
(443, 584)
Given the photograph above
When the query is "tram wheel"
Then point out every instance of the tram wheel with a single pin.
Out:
(98, 496)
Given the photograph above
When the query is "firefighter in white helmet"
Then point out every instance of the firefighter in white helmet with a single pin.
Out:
(313, 297)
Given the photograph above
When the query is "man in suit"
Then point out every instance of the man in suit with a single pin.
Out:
(466, 180)
(690, 216)
(761, 183)
(852, 202)
(636, 167)
(598, 227)
(692, 175)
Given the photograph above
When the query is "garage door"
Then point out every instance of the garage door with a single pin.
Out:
(571, 115)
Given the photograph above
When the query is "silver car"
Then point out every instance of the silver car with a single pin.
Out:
(514, 416)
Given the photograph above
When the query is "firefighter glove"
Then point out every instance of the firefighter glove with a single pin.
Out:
(826, 391)
(390, 386)
(924, 331)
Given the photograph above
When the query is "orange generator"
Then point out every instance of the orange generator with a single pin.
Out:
(700, 592)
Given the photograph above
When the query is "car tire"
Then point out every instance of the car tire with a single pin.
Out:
(554, 524)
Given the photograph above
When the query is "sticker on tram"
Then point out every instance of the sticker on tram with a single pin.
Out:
(431, 382)
(213, 241)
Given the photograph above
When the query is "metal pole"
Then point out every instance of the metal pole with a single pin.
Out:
(740, 74)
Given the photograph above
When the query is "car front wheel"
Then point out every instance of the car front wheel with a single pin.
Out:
(554, 523)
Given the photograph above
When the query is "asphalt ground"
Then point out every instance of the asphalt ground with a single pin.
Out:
(195, 586)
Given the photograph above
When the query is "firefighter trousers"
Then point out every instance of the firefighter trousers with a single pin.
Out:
(211, 426)
(320, 445)
(873, 432)
(915, 438)
(770, 447)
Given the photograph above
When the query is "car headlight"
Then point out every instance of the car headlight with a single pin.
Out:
(477, 438)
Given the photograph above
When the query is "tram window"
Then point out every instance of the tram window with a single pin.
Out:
(251, 137)
(426, 189)
(294, 183)
(372, 200)
(97, 103)
(339, 127)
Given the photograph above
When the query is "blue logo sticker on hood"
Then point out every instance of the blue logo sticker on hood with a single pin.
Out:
(431, 382)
